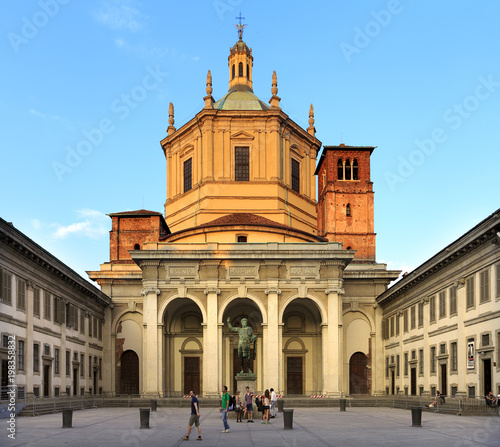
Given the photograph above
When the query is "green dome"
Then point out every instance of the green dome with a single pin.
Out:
(240, 97)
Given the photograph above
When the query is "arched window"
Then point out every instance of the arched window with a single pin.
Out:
(240, 70)
(348, 170)
(248, 72)
(348, 209)
(340, 170)
(137, 247)
(355, 169)
(234, 68)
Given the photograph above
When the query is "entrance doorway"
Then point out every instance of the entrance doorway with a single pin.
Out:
(192, 375)
(46, 380)
(487, 377)
(129, 373)
(294, 375)
(358, 380)
(75, 381)
(95, 382)
(444, 381)
(413, 383)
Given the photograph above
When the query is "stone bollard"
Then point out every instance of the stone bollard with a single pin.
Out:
(144, 413)
(416, 416)
(67, 417)
(288, 419)
(154, 404)
(342, 404)
(280, 405)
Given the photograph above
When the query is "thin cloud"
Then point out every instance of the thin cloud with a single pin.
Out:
(121, 15)
(91, 224)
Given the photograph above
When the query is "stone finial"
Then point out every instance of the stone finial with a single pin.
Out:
(311, 128)
(209, 101)
(209, 83)
(275, 100)
(171, 129)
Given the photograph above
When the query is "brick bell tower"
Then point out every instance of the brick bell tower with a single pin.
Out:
(345, 202)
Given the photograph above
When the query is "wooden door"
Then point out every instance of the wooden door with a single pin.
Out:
(294, 375)
(444, 381)
(46, 380)
(192, 375)
(358, 381)
(129, 373)
(413, 382)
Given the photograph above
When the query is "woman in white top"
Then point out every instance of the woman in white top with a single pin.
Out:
(266, 402)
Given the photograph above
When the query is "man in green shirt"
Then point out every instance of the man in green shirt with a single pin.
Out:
(224, 408)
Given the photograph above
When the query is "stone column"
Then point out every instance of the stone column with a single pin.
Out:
(378, 378)
(271, 341)
(212, 345)
(161, 360)
(461, 338)
(151, 362)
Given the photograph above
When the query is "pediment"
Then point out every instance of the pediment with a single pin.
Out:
(241, 135)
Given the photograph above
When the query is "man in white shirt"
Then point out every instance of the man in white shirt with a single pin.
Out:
(274, 399)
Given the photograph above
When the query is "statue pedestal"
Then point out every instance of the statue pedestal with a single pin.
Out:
(244, 380)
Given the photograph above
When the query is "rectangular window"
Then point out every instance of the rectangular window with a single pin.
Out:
(59, 311)
(397, 325)
(498, 280)
(387, 367)
(100, 368)
(405, 320)
(433, 359)
(56, 391)
(188, 175)
(82, 321)
(485, 340)
(36, 301)
(392, 326)
(469, 292)
(75, 317)
(454, 390)
(442, 304)
(82, 365)
(90, 325)
(241, 164)
(453, 300)
(68, 363)
(432, 309)
(454, 353)
(100, 330)
(295, 175)
(36, 391)
(420, 361)
(90, 366)
(95, 327)
(21, 293)
(6, 287)
(397, 365)
(484, 286)
(420, 314)
(46, 305)
(20, 355)
(36, 358)
(56, 361)
(406, 363)
(21, 392)
(472, 391)
(412, 317)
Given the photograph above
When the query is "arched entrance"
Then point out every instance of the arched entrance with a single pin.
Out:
(129, 373)
(183, 347)
(358, 378)
(302, 348)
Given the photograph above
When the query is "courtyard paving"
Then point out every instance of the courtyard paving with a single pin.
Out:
(311, 427)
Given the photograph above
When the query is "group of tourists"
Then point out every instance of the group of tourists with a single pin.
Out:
(266, 404)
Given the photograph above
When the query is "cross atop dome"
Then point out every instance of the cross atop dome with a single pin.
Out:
(240, 27)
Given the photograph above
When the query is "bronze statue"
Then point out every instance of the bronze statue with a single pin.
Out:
(246, 338)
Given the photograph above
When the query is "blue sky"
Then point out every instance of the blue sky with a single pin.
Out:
(86, 88)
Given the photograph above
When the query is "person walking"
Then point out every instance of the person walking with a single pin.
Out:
(274, 399)
(248, 405)
(195, 417)
(224, 408)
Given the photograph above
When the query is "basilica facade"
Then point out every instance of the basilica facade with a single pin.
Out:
(246, 233)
